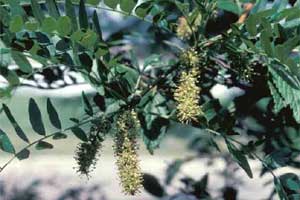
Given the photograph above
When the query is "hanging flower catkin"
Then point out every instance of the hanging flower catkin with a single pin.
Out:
(190, 57)
(187, 95)
(86, 154)
(125, 147)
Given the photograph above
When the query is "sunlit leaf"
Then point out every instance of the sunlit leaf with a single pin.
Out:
(5, 143)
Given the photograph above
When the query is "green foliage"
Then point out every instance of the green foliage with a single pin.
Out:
(14, 123)
(6, 144)
(258, 56)
(53, 115)
(35, 117)
(240, 158)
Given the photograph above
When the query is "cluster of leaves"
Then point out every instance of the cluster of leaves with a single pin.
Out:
(36, 121)
(256, 56)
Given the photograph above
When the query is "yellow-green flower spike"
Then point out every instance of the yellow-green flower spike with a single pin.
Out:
(190, 58)
(129, 171)
(187, 97)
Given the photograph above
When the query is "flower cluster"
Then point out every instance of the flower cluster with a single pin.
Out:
(126, 153)
(87, 153)
(190, 57)
(187, 96)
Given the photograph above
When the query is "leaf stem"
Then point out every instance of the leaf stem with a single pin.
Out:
(42, 139)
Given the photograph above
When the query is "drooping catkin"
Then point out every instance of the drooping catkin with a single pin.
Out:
(126, 147)
(86, 155)
(190, 58)
(187, 96)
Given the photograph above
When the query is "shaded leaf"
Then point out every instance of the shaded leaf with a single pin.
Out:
(97, 26)
(37, 11)
(172, 170)
(152, 185)
(10, 76)
(70, 12)
(24, 154)
(83, 18)
(42, 145)
(53, 115)
(201, 186)
(14, 123)
(59, 136)
(279, 189)
(87, 106)
(80, 134)
(240, 158)
(86, 61)
(35, 117)
(53, 9)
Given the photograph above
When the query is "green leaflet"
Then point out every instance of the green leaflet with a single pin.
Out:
(279, 102)
(230, 6)
(21, 61)
(5, 143)
(15, 124)
(42, 145)
(83, 18)
(240, 158)
(53, 115)
(64, 26)
(80, 134)
(143, 9)
(37, 11)
(111, 3)
(35, 117)
(10, 76)
(16, 24)
(87, 106)
(24, 154)
(127, 5)
(291, 96)
(70, 12)
(53, 9)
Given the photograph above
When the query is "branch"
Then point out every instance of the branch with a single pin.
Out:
(42, 139)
